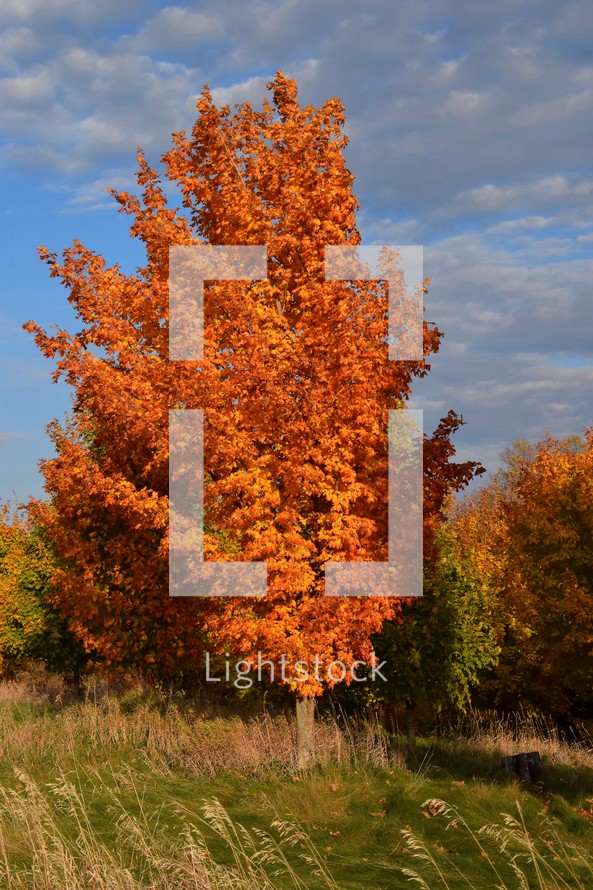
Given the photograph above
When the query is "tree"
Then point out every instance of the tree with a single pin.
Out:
(438, 645)
(532, 531)
(30, 628)
(295, 384)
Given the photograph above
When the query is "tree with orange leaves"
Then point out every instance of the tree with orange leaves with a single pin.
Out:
(296, 387)
(530, 532)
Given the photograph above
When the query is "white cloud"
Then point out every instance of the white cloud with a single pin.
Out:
(26, 90)
(173, 28)
(542, 192)
(254, 88)
(26, 10)
(465, 102)
(469, 133)
(525, 222)
(555, 111)
(15, 43)
(42, 14)
(118, 103)
(517, 355)
(94, 195)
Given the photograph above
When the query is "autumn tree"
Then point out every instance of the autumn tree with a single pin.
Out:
(532, 533)
(31, 630)
(295, 384)
(438, 646)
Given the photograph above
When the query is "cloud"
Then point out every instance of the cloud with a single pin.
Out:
(433, 99)
(26, 10)
(555, 111)
(24, 92)
(119, 103)
(462, 103)
(94, 195)
(15, 43)
(523, 223)
(174, 28)
(542, 193)
(517, 357)
(54, 14)
(254, 88)
(469, 133)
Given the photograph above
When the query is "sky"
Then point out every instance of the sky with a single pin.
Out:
(470, 127)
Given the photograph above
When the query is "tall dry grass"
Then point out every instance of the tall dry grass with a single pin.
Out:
(522, 731)
(58, 848)
(51, 838)
(524, 862)
(173, 737)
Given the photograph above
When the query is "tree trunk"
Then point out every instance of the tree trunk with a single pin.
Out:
(411, 724)
(76, 685)
(305, 728)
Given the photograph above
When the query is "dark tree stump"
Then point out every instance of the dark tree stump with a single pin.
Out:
(526, 766)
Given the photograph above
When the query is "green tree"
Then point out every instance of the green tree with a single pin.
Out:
(31, 630)
(437, 648)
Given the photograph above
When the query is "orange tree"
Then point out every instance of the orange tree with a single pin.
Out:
(295, 385)
(531, 532)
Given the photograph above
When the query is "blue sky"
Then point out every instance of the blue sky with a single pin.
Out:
(470, 133)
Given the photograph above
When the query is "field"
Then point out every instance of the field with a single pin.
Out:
(135, 791)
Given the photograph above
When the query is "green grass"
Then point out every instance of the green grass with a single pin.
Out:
(119, 793)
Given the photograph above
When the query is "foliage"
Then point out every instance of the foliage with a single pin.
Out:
(295, 384)
(436, 649)
(30, 628)
(532, 533)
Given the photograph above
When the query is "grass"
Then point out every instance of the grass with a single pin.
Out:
(127, 792)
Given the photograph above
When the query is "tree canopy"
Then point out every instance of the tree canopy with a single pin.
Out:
(295, 384)
(532, 534)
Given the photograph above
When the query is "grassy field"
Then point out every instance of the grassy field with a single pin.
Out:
(129, 792)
